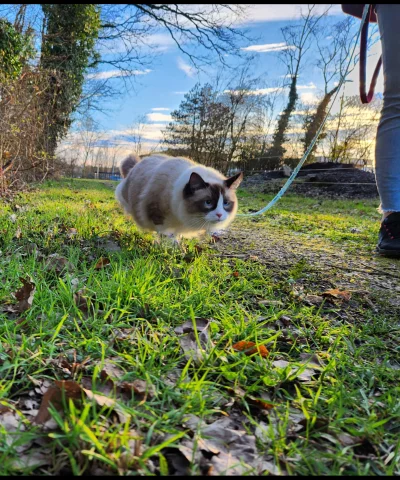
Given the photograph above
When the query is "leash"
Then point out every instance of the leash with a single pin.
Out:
(289, 181)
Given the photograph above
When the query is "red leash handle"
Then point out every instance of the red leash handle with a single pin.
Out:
(363, 62)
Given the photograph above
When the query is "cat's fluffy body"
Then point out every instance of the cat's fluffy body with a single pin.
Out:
(176, 196)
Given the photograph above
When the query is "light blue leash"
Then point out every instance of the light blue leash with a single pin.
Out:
(289, 181)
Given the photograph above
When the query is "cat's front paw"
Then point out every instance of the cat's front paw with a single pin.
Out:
(216, 236)
(169, 240)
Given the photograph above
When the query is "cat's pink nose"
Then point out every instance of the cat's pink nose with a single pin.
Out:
(219, 215)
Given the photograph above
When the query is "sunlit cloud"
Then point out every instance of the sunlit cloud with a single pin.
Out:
(159, 117)
(269, 47)
(116, 74)
(185, 67)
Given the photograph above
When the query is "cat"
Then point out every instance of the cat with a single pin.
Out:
(175, 196)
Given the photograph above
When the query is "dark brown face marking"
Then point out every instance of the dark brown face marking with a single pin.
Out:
(155, 213)
(195, 183)
(235, 181)
(205, 200)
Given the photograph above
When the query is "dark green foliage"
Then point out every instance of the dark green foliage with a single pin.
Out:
(15, 50)
(68, 47)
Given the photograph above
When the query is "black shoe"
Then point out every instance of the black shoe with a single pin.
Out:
(389, 236)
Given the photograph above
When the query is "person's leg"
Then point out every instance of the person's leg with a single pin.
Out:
(387, 152)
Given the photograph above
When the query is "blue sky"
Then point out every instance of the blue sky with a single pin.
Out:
(160, 87)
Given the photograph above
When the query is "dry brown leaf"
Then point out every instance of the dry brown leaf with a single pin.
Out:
(81, 301)
(100, 399)
(54, 395)
(260, 401)
(336, 293)
(312, 360)
(348, 440)
(313, 299)
(103, 262)
(25, 295)
(188, 340)
(58, 263)
(236, 274)
(249, 348)
(304, 376)
(112, 371)
(139, 387)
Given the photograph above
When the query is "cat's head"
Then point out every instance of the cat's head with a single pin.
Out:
(211, 205)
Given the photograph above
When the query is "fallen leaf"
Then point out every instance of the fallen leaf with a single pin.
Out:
(103, 261)
(58, 263)
(235, 274)
(18, 233)
(111, 246)
(31, 459)
(237, 450)
(112, 371)
(249, 348)
(139, 387)
(54, 395)
(13, 437)
(100, 399)
(188, 340)
(262, 401)
(313, 300)
(348, 440)
(312, 360)
(81, 301)
(305, 375)
(25, 295)
(335, 293)
(72, 232)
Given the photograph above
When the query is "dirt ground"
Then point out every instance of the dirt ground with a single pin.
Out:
(374, 278)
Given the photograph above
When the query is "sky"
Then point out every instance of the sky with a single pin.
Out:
(160, 87)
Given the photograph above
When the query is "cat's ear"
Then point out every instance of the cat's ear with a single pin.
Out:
(196, 182)
(235, 181)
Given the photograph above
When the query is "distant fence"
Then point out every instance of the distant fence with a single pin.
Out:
(107, 176)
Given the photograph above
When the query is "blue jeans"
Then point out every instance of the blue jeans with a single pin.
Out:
(387, 151)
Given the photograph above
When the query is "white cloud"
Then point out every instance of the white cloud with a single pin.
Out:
(159, 117)
(309, 98)
(269, 47)
(160, 41)
(180, 93)
(278, 12)
(310, 86)
(115, 74)
(160, 109)
(302, 112)
(185, 67)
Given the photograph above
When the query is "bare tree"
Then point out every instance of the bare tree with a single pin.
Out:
(88, 135)
(350, 132)
(136, 131)
(298, 39)
(333, 50)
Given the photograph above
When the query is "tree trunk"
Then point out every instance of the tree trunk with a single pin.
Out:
(277, 151)
(316, 121)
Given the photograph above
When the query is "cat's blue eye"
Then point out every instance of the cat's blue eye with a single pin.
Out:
(208, 203)
(226, 203)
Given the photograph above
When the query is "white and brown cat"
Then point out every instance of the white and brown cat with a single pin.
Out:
(175, 196)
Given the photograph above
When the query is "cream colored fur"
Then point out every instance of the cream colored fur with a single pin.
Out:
(160, 180)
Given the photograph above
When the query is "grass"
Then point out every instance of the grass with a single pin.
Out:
(342, 420)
